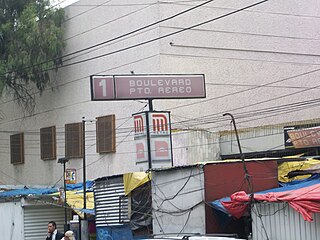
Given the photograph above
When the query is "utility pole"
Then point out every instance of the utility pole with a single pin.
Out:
(247, 176)
(64, 161)
(84, 166)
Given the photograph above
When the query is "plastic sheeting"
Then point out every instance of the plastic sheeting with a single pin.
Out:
(79, 186)
(133, 180)
(286, 167)
(141, 207)
(75, 201)
(27, 191)
(114, 233)
(74, 198)
(303, 196)
(43, 191)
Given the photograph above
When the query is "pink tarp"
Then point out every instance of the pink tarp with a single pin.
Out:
(305, 200)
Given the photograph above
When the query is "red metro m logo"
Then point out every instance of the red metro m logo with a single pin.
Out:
(160, 123)
(138, 124)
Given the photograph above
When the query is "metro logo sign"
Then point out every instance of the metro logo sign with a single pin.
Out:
(157, 134)
(160, 123)
(129, 87)
(139, 125)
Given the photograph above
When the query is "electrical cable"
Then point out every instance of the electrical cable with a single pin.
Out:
(231, 94)
(139, 29)
(88, 10)
(126, 34)
(161, 37)
(104, 24)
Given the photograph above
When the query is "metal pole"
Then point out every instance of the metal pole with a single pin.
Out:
(240, 150)
(84, 167)
(170, 139)
(65, 198)
(148, 133)
(150, 104)
(247, 176)
(148, 141)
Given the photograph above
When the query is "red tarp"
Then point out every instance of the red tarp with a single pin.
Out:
(305, 200)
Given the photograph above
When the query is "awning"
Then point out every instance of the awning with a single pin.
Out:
(133, 180)
(303, 196)
(75, 201)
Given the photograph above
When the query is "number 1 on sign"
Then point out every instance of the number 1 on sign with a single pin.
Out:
(103, 84)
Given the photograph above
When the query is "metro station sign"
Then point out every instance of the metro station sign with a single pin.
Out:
(128, 87)
(158, 133)
(302, 136)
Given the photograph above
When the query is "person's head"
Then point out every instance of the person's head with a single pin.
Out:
(52, 226)
(68, 235)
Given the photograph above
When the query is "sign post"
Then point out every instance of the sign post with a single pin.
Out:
(153, 141)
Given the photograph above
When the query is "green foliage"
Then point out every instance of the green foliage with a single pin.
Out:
(31, 45)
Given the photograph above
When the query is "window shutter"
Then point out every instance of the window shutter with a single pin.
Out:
(73, 140)
(17, 148)
(48, 143)
(106, 134)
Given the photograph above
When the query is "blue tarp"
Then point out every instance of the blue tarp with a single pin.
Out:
(87, 211)
(28, 191)
(294, 185)
(114, 233)
(79, 186)
(43, 191)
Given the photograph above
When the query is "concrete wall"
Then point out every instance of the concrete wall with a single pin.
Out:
(195, 146)
(178, 201)
(240, 54)
(258, 139)
(237, 54)
(11, 220)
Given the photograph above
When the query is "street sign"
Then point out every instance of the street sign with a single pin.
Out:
(129, 87)
(302, 136)
(156, 135)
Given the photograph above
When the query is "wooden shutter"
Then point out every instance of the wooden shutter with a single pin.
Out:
(48, 143)
(73, 140)
(17, 148)
(106, 134)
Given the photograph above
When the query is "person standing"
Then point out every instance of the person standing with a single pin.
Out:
(68, 235)
(53, 233)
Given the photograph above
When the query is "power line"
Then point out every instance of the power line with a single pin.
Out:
(132, 46)
(161, 37)
(281, 109)
(141, 28)
(124, 35)
(106, 23)
(84, 12)
(252, 85)
(131, 4)
(246, 90)
(301, 105)
(76, 80)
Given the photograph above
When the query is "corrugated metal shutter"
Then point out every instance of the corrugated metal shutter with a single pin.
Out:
(282, 222)
(36, 219)
(111, 205)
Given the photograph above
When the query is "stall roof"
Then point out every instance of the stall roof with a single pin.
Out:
(302, 195)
